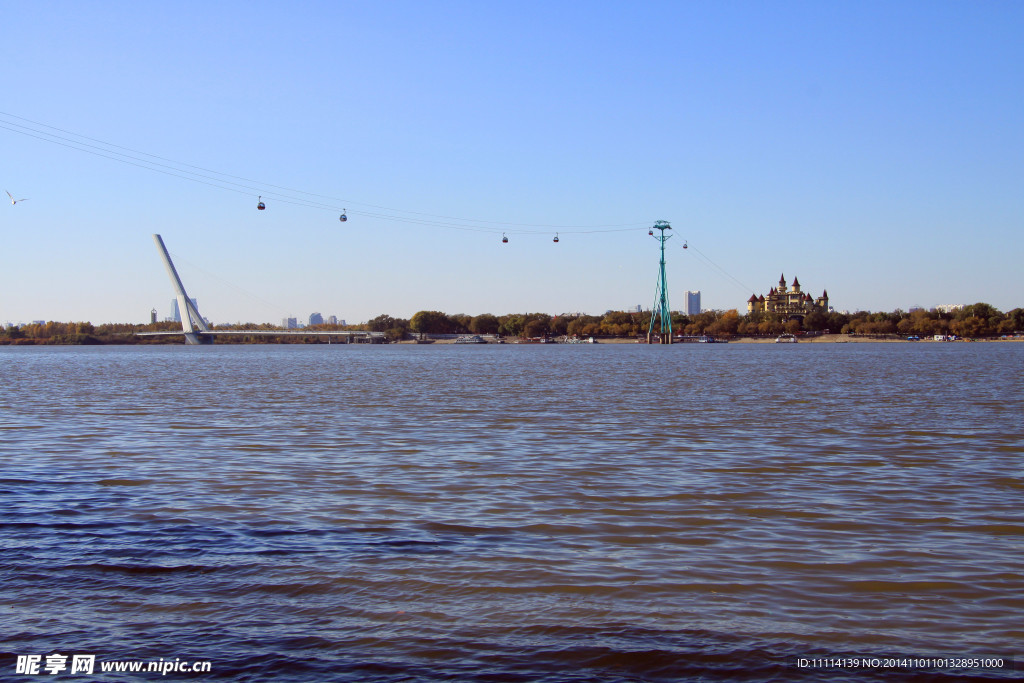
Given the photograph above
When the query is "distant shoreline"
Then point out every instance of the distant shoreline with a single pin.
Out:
(809, 339)
(132, 340)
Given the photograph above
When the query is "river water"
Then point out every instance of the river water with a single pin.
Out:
(513, 513)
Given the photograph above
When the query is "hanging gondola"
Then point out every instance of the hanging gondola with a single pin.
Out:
(556, 238)
(504, 238)
(685, 246)
(651, 232)
(343, 217)
(261, 205)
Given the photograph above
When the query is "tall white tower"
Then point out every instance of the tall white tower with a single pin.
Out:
(191, 322)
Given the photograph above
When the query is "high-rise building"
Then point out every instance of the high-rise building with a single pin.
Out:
(175, 313)
(692, 305)
(316, 319)
(290, 323)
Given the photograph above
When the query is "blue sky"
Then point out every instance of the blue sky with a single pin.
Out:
(871, 148)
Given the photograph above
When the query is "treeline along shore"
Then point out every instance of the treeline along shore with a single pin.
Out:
(976, 321)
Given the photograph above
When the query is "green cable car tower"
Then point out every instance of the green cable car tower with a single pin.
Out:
(660, 310)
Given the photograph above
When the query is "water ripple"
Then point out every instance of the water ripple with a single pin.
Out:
(570, 513)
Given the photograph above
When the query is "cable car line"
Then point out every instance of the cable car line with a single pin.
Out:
(96, 151)
(717, 267)
(150, 168)
(180, 170)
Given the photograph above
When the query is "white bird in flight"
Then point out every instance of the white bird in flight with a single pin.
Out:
(13, 200)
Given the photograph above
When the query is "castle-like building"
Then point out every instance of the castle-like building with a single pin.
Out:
(789, 302)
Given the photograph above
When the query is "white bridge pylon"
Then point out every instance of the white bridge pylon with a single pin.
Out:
(196, 331)
(192, 324)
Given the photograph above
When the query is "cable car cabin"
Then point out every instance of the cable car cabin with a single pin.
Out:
(651, 232)
(556, 238)
(343, 217)
(504, 238)
(261, 206)
(685, 246)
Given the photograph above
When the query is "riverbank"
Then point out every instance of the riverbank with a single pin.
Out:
(865, 339)
(808, 339)
(132, 340)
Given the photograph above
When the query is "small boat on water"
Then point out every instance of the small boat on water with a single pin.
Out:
(471, 339)
(786, 339)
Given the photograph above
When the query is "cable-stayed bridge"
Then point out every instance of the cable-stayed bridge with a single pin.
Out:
(196, 331)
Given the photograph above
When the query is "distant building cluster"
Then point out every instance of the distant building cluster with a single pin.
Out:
(949, 308)
(788, 302)
(314, 319)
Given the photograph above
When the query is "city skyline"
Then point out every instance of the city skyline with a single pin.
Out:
(691, 306)
(873, 149)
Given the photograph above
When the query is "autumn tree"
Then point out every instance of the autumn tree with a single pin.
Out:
(430, 322)
(535, 328)
(972, 326)
(1016, 318)
(816, 321)
(536, 324)
(460, 322)
(620, 324)
(1012, 322)
(559, 325)
(584, 326)
(381, 323)
(977, 320)
(511, 325)
(485, 323)
(836, 321)
(727, 324)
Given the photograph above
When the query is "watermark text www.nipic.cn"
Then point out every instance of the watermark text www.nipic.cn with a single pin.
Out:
(56, 663)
